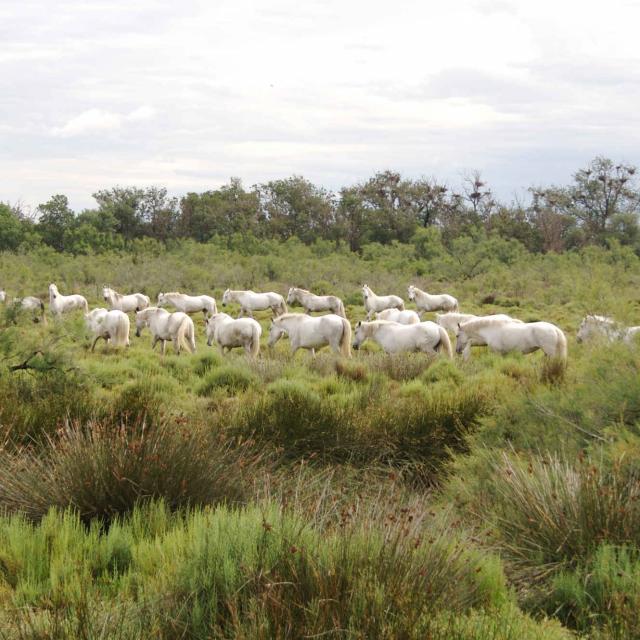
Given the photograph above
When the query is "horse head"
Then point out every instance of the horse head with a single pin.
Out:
(462, 339)
(411, 292)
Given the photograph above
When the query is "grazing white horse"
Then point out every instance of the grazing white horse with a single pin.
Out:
(603, 326)
(230, 333)
(401, 317)
(427, 337)
(188, 304)
(427, 302)
(311, 302)
(60, 304)
(505, 335)
(313, 332)
(176, 327)
(251, 301)
(374, 303)
(28, 303)
(112, 326)
(450, 321)
(126, 303)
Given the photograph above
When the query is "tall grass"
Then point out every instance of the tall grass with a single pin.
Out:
(103, 470)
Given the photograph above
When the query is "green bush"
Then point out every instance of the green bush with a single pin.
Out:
(228, 377)
(103, 470)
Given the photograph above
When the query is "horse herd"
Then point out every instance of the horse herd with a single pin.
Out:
(387, 322)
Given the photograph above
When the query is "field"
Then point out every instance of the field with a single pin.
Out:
(378, 497)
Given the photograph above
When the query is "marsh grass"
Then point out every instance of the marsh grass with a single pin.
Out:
(103, 470)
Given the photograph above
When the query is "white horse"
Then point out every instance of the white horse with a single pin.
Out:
(188, 304)
(373, 303)
(311, 302)
(60, 304)
(505, 335)
(451, 321)
(176, 327)
(230, 333)
(126, 303)
(251, 301)
(427, 302)
(112, 326)
(28, 303)
(401, 317)
(427, 337)
(313, 332)
(603, 326)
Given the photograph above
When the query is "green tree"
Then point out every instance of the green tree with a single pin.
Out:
(55, 220)
(296, 207)
(123, 205)
(13, 229)
(599, 193)
(224, 211)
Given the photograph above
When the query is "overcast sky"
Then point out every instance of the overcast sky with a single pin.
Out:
(186, 94)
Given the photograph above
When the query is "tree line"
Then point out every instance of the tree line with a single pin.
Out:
(601, 203)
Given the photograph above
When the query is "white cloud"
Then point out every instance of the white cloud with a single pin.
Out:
(100, 120)
(332, 89)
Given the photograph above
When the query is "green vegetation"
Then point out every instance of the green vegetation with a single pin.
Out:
(204, 495)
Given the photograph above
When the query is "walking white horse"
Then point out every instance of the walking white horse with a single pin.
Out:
(311, 302)
(505, 335)
(427, 337)
(450, 321)
(176, 327)
(251, 301)
(313, 332)
(593, 326)
(126, 303)
(188, 304)
(60, 304)
(427, 302)
(401, 317)
(112, 326)
(230, 333)
(374, 303)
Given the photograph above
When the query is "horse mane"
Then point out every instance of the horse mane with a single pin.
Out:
(291, 316)
(603, 319)
(481, 323)
(172, 293)
(303, 290)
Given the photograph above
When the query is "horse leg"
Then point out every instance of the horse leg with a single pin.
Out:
(308, 311)
(163, 346)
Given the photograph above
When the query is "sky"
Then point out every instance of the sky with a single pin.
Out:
(186, 94)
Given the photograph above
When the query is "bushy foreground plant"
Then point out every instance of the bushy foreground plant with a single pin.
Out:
(252, 572)
(370, 427)
(103, 470)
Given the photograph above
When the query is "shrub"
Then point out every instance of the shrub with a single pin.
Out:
(102, 470)
(228, 377)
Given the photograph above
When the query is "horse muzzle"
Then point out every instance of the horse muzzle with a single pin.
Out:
(356, 346)
(137, 333)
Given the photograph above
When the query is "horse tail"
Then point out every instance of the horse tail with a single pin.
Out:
(184, 335)
(121, 337)
(256, 332)
(86, 305)
(283, 307)
(345, 339)
(445, 343)
(340, 308)
(401, 307)
(455, 305)
(147, 301)
(561, 345)
(42, 313)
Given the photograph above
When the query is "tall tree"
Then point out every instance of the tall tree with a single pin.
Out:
(296, 207)
(55, 220)
(599, 192)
